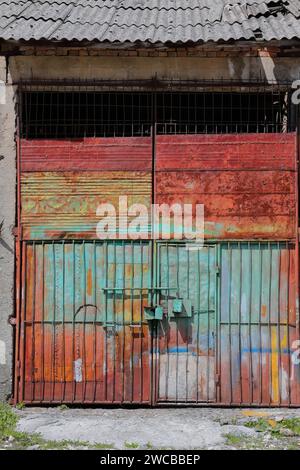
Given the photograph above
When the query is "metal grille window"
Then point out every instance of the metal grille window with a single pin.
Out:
(223, 112)
(85, 114)
(76, 114)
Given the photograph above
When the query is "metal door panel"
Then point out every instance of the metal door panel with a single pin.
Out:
(84, 337)
(258, 324)
(187, 361)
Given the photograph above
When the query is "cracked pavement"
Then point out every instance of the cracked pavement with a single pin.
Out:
(163, 428)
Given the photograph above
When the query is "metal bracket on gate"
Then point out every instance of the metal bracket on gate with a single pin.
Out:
(179, 308)
(153, 313)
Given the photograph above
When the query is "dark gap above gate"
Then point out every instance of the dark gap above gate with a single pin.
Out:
(78, 114)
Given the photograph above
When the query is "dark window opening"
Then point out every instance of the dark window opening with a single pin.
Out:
(223, 113)
(68, 114)
(85, 114)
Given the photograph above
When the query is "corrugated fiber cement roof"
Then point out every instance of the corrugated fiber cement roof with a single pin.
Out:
(154, 21)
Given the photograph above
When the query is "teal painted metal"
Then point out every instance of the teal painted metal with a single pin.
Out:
(85, 336)
(258, 324)
(186, 338)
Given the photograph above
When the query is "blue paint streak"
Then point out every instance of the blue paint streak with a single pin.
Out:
(267, 350)
(179, 350)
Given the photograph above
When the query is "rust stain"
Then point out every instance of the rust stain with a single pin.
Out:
(255, 414)
(263, 311)
(89, 284)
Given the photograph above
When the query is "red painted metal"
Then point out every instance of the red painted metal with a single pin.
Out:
(88, 154)
(246, 182)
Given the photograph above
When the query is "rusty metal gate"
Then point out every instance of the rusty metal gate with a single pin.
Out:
(101, 323)
(149, 322)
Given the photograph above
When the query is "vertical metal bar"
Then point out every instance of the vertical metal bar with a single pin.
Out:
(95, 321)
(279, 325)
(141, 323)
(288, 316)
(43, 329)
(114, 322)
(208, 326)
(260, 325)
(63, 327)
(240, 246)
(198, 287)
(297, 238)
(218, 390)
(123, 326)
(167, 247)
(250, 324)
(177, 329)
(84, 362)
(151, 284)
(156, 300)
(105, 368)
(22, 320)
(32, 374)
(53, 345)
(187, 336)
(229, 319)
(73, 323)
(269, 325)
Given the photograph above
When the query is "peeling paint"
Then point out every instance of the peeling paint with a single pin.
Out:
(78, 371)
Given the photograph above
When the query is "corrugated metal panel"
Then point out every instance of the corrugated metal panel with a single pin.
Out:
(151, 21)
(64, 182)
(246, 182)
(187, 349)
(84, 336)
(258, 325)
(88, 154)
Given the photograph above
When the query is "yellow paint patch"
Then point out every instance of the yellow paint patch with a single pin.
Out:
(255, 414)
(284, 342)
(274, 366)
(272, 423)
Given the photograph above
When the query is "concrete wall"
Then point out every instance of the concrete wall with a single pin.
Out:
(126, 68)
(7, 218)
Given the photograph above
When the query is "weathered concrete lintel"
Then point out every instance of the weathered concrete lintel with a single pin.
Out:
(139, 68)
